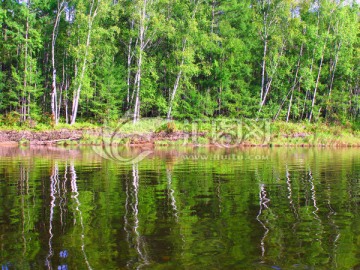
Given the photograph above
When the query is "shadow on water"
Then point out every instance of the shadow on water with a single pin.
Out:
(254, 208)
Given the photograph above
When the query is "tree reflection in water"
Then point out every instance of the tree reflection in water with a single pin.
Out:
(84, 213)
(24, 193)
(78, 204)
(58, 193)
(290, 195)
(131, 222)
(54, 179)
(263, 201)
(171, 193)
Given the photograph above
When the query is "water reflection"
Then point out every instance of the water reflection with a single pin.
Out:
(68, 208)
(171, 194)
(59, 204)
(290, 193)
(54, 179)
(263, 201)
(131, 222)
(75, 195)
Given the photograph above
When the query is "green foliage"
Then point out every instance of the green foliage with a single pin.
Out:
(169, 127)
(11, 119)
(202, 59)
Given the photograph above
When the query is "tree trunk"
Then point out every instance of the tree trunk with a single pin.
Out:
(295, 82)
(263, 66)
(311, 65)
(268, 84)
(139, 62)
(76, 97)
(66, 101)
(129, 59)
(316, 87)
(265, 40)
(333, 68)
(23, 96)
(54, 102)
(178, 77)
(176, 84)
(318, 77)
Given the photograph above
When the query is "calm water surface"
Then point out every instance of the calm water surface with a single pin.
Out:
(67, 208)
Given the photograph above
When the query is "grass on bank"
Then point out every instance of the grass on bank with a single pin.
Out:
(281, 133)
(142, 126)
(305, 133)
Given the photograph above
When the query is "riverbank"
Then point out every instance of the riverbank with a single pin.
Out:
(162, 133)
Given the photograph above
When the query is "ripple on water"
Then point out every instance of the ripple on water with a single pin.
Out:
(227, 209)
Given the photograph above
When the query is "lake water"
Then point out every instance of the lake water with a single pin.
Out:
(254, 208)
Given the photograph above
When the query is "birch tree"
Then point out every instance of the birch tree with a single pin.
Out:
(94, 6)
(140, 52)
(100, 59)
(184, 56)
(61, 5)
(324, 37)
(271, 15)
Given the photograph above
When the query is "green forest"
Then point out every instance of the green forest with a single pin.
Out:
(98, 60)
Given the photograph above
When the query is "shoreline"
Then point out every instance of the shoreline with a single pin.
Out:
(92, 137)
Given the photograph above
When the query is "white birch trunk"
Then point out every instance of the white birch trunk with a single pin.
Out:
(318, 77)
(54, 103)
(139, 62)
(176, 84)
(312, 63)
(129, 58)
(178, 77)
(333, 69)
(316, 86)
(295, 82)
(23, 99)
(265, 40)
(76, 97)
(263, 66)
(268, 84)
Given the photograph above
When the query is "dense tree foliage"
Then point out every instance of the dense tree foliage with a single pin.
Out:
(97, 60)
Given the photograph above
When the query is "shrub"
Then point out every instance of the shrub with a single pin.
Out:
(12, 119)
(169, 127)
